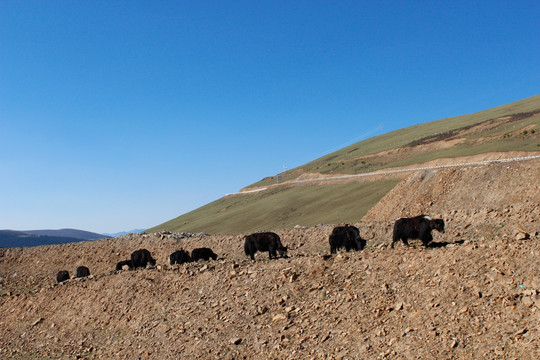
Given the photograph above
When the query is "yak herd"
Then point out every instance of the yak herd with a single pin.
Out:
(81, 271)
(346, 236)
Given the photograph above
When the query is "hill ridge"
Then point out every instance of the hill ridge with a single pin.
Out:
(302, 194)
(24, 238)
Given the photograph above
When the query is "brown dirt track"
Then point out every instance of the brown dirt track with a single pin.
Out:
(474, 295)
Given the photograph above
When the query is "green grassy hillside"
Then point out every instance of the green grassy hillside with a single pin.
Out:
(511, 127)
(367, 155)
(281, 208)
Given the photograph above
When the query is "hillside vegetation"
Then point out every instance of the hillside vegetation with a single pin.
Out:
(503, 128)
(491, 134)
(282, 207)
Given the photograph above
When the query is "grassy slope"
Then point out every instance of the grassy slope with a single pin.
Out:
(340, 161)
(284, 207)
(405, 136)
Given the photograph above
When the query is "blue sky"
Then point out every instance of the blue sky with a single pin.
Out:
(117, 115)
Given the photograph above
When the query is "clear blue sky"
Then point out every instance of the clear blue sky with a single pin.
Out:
(117, 115)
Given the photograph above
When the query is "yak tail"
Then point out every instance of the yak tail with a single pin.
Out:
(246, 248)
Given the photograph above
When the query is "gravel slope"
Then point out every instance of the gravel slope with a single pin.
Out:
(475, 294)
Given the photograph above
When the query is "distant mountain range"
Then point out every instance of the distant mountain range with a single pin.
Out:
(71, 233)
(13, 238)
(135, 231)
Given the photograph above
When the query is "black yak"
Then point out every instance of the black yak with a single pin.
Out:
(62, 275)
(82, 271)
(123, 263)
(140, 258)
(418, 227)
(347, 237)
(202, 253)
(264, 241)
(179, 257)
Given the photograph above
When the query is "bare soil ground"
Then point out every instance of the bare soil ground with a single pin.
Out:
(473, 294)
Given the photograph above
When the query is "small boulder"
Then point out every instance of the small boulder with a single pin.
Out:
(236, 341)
(520, 234)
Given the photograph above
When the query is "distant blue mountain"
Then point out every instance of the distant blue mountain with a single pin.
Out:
(135, 231)
(13, 238)
(71, 233)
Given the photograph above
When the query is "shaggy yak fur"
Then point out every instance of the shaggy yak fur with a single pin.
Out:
(82, 271)
(264, 241)
(140, 258)
(62, 275)
(203, 253)
(418, 227)
(179, 257)
(347, 237)
(123, 263)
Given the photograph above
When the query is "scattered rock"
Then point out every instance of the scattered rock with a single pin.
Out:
(520, 234)
(527, 301)
(236, 341)
(407, 330)
(279, 317)
(262, 310)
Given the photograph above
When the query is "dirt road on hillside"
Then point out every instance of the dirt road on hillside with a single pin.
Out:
(439, 164)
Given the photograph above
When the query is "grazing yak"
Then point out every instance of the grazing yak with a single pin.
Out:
(347, 237)
(418, 227)
(202, 253)
(140, 258)
(62, 275)
(179, 257)
(123, 263)
(82, 271)
(264, 241)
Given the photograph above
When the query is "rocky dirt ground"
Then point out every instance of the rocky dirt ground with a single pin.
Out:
(474, 294)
